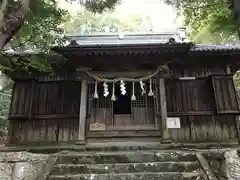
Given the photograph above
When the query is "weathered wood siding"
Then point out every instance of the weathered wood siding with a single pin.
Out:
(47, 130)
(22, 99)
(197, 71)
(189, 96)
(48, 110)
(207, 108)
(44, 111)
(225, 94)
(206, 129)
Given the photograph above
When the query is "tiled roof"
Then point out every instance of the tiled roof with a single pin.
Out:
(215, 48)
(122, 39)
(113, 42)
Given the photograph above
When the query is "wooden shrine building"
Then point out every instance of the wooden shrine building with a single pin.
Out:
(145, 86)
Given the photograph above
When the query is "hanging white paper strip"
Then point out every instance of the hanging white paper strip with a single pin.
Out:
(95, 96)
(113, 98)
(133, 98)
(150, 93)
(142, 87)
(105, 89)
(122, 88)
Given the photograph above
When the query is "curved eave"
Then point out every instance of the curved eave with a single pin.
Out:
(228, 52)
(204, 49)
(122, 49)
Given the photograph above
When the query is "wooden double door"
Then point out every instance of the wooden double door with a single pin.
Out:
(123, 117)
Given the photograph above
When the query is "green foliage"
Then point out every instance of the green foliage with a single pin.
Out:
(208, 18)
(32, 64)
(99, 6)
(88, 22)
(210, 21)
(40, 27)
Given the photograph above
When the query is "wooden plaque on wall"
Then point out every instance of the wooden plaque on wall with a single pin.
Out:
(97, 127)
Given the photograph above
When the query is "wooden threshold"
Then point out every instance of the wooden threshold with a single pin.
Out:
(126, 133)
(129, 128)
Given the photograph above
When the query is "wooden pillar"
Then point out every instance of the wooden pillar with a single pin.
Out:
(82, 114)
(163, 111)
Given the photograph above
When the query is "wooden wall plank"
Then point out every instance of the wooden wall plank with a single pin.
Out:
(225, 94)
(183, 97)
(21, 98)
(44, 131)
(52, 102)
(56, 98)
(196, 71)
(206, 129)
(189, 96)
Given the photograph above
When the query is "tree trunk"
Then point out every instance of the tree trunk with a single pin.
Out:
(13, 22)
(238, 33)
(2, 12)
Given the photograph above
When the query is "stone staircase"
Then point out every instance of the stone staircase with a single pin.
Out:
(127, 165)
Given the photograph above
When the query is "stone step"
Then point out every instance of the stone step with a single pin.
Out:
(132, 176)
(123, 157)
(126, 168)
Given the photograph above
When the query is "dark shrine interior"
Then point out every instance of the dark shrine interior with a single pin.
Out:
(122, 105)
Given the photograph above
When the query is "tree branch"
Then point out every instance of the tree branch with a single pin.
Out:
(13, 22)
(2, 12)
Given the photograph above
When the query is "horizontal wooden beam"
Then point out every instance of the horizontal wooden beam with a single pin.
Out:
(51, 116)
(125, 74)
(191, 113)
(130, 128)
(137, 133)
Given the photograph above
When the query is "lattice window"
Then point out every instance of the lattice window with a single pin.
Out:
(101, 102)
(99, 110)
(143, 109)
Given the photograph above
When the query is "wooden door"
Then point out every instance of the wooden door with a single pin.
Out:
(103, 120)
(143, 110)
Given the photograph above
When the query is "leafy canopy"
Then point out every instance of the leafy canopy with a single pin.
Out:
(39, 31)
(88, 22)
(208, 20)
(40, 27)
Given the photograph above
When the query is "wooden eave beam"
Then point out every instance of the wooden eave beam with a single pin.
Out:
(136, 49)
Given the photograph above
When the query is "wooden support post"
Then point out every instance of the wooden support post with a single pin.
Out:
(82, 114)
(163, 109)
